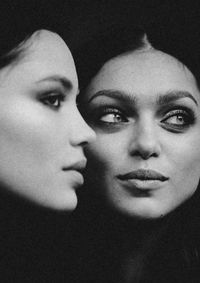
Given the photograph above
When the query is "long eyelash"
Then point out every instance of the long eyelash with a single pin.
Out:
(182, 108)
(109, 110)
(52, 94)
(179, 110)
(184, 111)
(95, 115)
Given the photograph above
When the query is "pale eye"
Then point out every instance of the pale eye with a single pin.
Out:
(178, 119)
(112, 118)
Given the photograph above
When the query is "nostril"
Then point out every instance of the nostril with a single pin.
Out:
(144, 154)
(147, 155)
(84, 143)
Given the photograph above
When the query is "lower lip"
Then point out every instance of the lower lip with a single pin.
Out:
(143, 184)
(75, 177)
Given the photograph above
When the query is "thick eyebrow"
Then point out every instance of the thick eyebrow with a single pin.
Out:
(166, 98)
(173, 96)
(116, 94)
(67, 84)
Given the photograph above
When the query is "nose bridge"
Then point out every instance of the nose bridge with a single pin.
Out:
(145, 142)
(79, 133)
(145, 131)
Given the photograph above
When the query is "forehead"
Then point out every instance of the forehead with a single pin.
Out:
(144, 71)
(46, 54)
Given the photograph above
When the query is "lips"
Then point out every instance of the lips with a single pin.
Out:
(143, 175)
(73, 173)
(77, 166)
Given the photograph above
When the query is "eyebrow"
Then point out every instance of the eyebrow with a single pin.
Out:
(166, 98)
(67, 84)
(116, 94)
(171, 96)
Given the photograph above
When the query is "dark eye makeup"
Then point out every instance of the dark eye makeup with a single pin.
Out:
(174, 117)
(52, 99)
(178, 118)
(106, 115)
(112, 115)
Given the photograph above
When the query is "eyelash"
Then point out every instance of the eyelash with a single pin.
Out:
(53, 99)
(187, 116)
(105, 111)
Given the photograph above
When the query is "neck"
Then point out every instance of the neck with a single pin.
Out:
(132, 242)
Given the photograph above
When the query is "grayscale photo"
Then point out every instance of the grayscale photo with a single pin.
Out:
(100, 141)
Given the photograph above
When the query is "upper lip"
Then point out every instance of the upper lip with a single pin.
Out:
(142, 174)
(77, 166)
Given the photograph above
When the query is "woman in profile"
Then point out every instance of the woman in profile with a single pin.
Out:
(42, 136)
(141, 96)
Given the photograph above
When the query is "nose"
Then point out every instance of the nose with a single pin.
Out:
(81, 134)
(145, 143)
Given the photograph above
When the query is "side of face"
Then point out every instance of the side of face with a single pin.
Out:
(41, 131)
(145, 110)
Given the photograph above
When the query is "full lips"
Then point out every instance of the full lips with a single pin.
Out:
(75, 177)
(143, 175)
(141, 182)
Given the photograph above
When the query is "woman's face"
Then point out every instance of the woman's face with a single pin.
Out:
(41, 130)
(145, 109)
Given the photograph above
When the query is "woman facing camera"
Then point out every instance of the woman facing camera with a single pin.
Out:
(143, 169)
(144, 107)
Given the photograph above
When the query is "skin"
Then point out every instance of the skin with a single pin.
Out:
(42, 134)
(134, 131)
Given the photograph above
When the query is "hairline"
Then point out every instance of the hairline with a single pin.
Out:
(18, 53)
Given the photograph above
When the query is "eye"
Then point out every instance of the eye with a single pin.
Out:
(112, 116)
(53, 100)
(178, 119)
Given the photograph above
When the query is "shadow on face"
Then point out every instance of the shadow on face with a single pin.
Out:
(144, 108)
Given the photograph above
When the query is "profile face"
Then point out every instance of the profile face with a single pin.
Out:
(145, 110)
(41, 130)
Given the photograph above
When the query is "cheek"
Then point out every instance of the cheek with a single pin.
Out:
(186, 155)
(184, 165)
(106, 152)
(25, 132)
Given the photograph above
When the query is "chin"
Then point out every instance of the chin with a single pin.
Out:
(69, 203)
(61, 202)
(143, 211)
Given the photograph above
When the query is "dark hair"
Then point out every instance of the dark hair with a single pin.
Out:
(104, 46)
(175, 257)
(171, 27)
(20, 19)
(13, 35)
